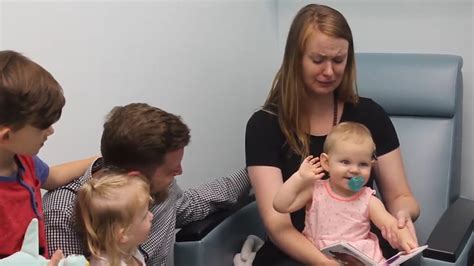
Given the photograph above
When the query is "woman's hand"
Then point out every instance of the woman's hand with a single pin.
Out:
(390, 231)
(405, 240)
(404, 219)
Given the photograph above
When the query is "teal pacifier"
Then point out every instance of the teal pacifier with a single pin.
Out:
(356, 183)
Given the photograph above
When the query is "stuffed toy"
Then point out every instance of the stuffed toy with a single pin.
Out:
(247, 254)
(29, 253)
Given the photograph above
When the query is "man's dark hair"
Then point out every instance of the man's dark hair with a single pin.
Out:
(137, 137)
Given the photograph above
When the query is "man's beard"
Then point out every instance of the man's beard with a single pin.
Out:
(161, 196)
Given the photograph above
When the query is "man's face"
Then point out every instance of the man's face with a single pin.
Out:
(163, 176)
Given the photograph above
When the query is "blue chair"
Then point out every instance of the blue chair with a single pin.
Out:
(423, 95)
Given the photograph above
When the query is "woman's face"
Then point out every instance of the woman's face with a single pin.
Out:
(324, 62)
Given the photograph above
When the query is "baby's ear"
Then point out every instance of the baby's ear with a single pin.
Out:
(324, 159)
(122, 236)
(134, 173)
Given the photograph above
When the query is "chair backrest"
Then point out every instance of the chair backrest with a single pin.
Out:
(422, 93)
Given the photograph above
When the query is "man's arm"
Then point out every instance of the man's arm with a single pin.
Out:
(197, 203)
(160, 240)
(58, 210)
(182, 207)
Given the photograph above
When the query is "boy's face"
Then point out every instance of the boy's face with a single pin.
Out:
(164, 175)
(345, 160)
(26, 141)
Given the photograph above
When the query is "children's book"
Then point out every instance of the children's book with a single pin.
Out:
(347, 254)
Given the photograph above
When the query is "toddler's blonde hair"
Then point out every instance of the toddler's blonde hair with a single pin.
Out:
(107, 205)
(345, 131)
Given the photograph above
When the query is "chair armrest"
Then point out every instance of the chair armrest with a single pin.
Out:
(451, 233)
(197, 230)
(218, 244)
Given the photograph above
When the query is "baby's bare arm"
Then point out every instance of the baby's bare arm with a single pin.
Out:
(297, 191)
(384, 220)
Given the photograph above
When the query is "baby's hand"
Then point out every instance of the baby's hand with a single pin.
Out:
(57, 256)
(310, 169)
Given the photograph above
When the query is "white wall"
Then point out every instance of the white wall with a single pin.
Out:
(210, 62)
(422, 26)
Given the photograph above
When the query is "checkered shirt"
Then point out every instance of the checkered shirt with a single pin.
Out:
(179, 209)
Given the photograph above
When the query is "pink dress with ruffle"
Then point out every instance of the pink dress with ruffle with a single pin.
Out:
(332, 218)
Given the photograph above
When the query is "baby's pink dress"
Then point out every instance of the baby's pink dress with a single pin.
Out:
(332, 218)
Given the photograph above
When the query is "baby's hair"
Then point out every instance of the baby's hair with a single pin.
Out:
(104, 207)
(344, 131)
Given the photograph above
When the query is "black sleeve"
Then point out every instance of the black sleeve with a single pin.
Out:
(263, 140)
(382, 129)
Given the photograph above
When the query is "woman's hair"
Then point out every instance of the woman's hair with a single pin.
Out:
(345, 131)
(288, 91)
(106, 206)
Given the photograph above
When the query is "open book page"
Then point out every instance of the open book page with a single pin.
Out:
(404, 256)
(347, 254)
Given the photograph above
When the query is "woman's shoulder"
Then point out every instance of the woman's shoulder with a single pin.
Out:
(263, 118)
(363, 111)
(366, 103)
(377, 120)
(265, 114)
(264, 139)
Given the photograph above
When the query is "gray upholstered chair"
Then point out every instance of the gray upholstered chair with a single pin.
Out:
(423, 96)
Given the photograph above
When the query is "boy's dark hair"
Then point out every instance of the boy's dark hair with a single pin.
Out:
(28, 93)
(137, 136)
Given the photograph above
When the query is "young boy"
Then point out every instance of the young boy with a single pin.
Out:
(31, 101)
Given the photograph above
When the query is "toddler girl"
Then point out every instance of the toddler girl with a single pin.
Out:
(112, 210)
